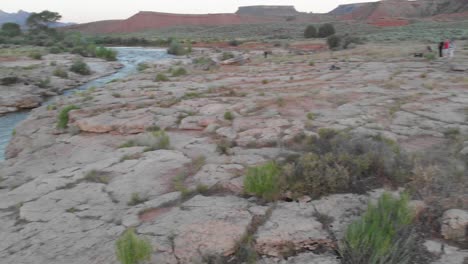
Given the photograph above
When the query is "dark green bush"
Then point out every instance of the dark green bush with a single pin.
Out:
(130, 249)
(234, 43)
(227, 56)
(11, 30)
(80, 67)
(263, 181)
(310, 32)
(62, 119)
(9, 80)
(333, 42)
(326, 30)
(43, 83)
(382, 235)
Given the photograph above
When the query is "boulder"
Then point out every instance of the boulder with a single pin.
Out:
(455, 224)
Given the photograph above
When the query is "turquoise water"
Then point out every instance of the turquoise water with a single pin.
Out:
(129, 57)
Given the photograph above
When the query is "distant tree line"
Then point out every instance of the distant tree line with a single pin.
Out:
(334, 41)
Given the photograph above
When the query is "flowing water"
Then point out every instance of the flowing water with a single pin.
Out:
(129, 57)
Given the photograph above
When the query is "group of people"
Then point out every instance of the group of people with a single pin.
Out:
(447, 48)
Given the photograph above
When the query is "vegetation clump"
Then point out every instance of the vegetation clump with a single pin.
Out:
(176, 48)
(80, 67)
(310, 32)
(382, 235)
(263, 181)
(228, 116)
(161, 77)
(179, 72)
(341, 162)
(59, 72)
(62, 120)
(151, 141)
(130, 249)
(326, 30)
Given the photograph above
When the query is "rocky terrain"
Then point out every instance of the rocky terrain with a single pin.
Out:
(67, 195)
(25, 83)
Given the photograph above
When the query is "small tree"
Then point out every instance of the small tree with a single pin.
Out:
(326, 30)
(310, 32)
(42, 20)
(11, 29)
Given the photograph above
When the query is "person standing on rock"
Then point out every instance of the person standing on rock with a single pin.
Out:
(441, 48)
(451, 49)
(446, 47)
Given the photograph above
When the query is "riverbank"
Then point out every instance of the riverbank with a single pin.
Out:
(27, 83)
(68, 194)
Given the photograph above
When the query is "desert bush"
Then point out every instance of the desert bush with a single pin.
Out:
(382, 235)
(228, 116)
(43, 83)
(80, 67)
(326, 30)
(9, 80)
(35, 55)
(55, 50)
(59, 72)
(97, 177)
(130, 249)
(135, 199)
(227, 56)
(105, 53)
(175, 48)
(224, 146)
(142, 66)
(179, 72)
(10, 30)
(62, 119)
(310, 32)
(263, 181)
(161, 77)
(340, 162)
(234, 43)
(152, 141)
(333, 42)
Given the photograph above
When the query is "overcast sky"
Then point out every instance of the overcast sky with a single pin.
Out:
(92, 10)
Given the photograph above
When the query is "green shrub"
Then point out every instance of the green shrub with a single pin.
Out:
(9, 80)
(142, 66)
(263, 181)
(152, 141)
(311, 116)
(179, 72)
(341, 162)
(161, 77)
(130, 249)
(175, 48)
(136, 199)
(80, 67)
(105, 53)
(11, 29)
(62, 120)
(59, 72)
(326, 30)
(227, 56)
(310, 32)
(35, 55)
(224, 146)
(43, 83)
(333, 42)
(97, 177)
(55, 50)
(382, 235)
(311, 63)
(228, 116)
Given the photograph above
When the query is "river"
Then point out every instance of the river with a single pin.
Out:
(130, 57)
